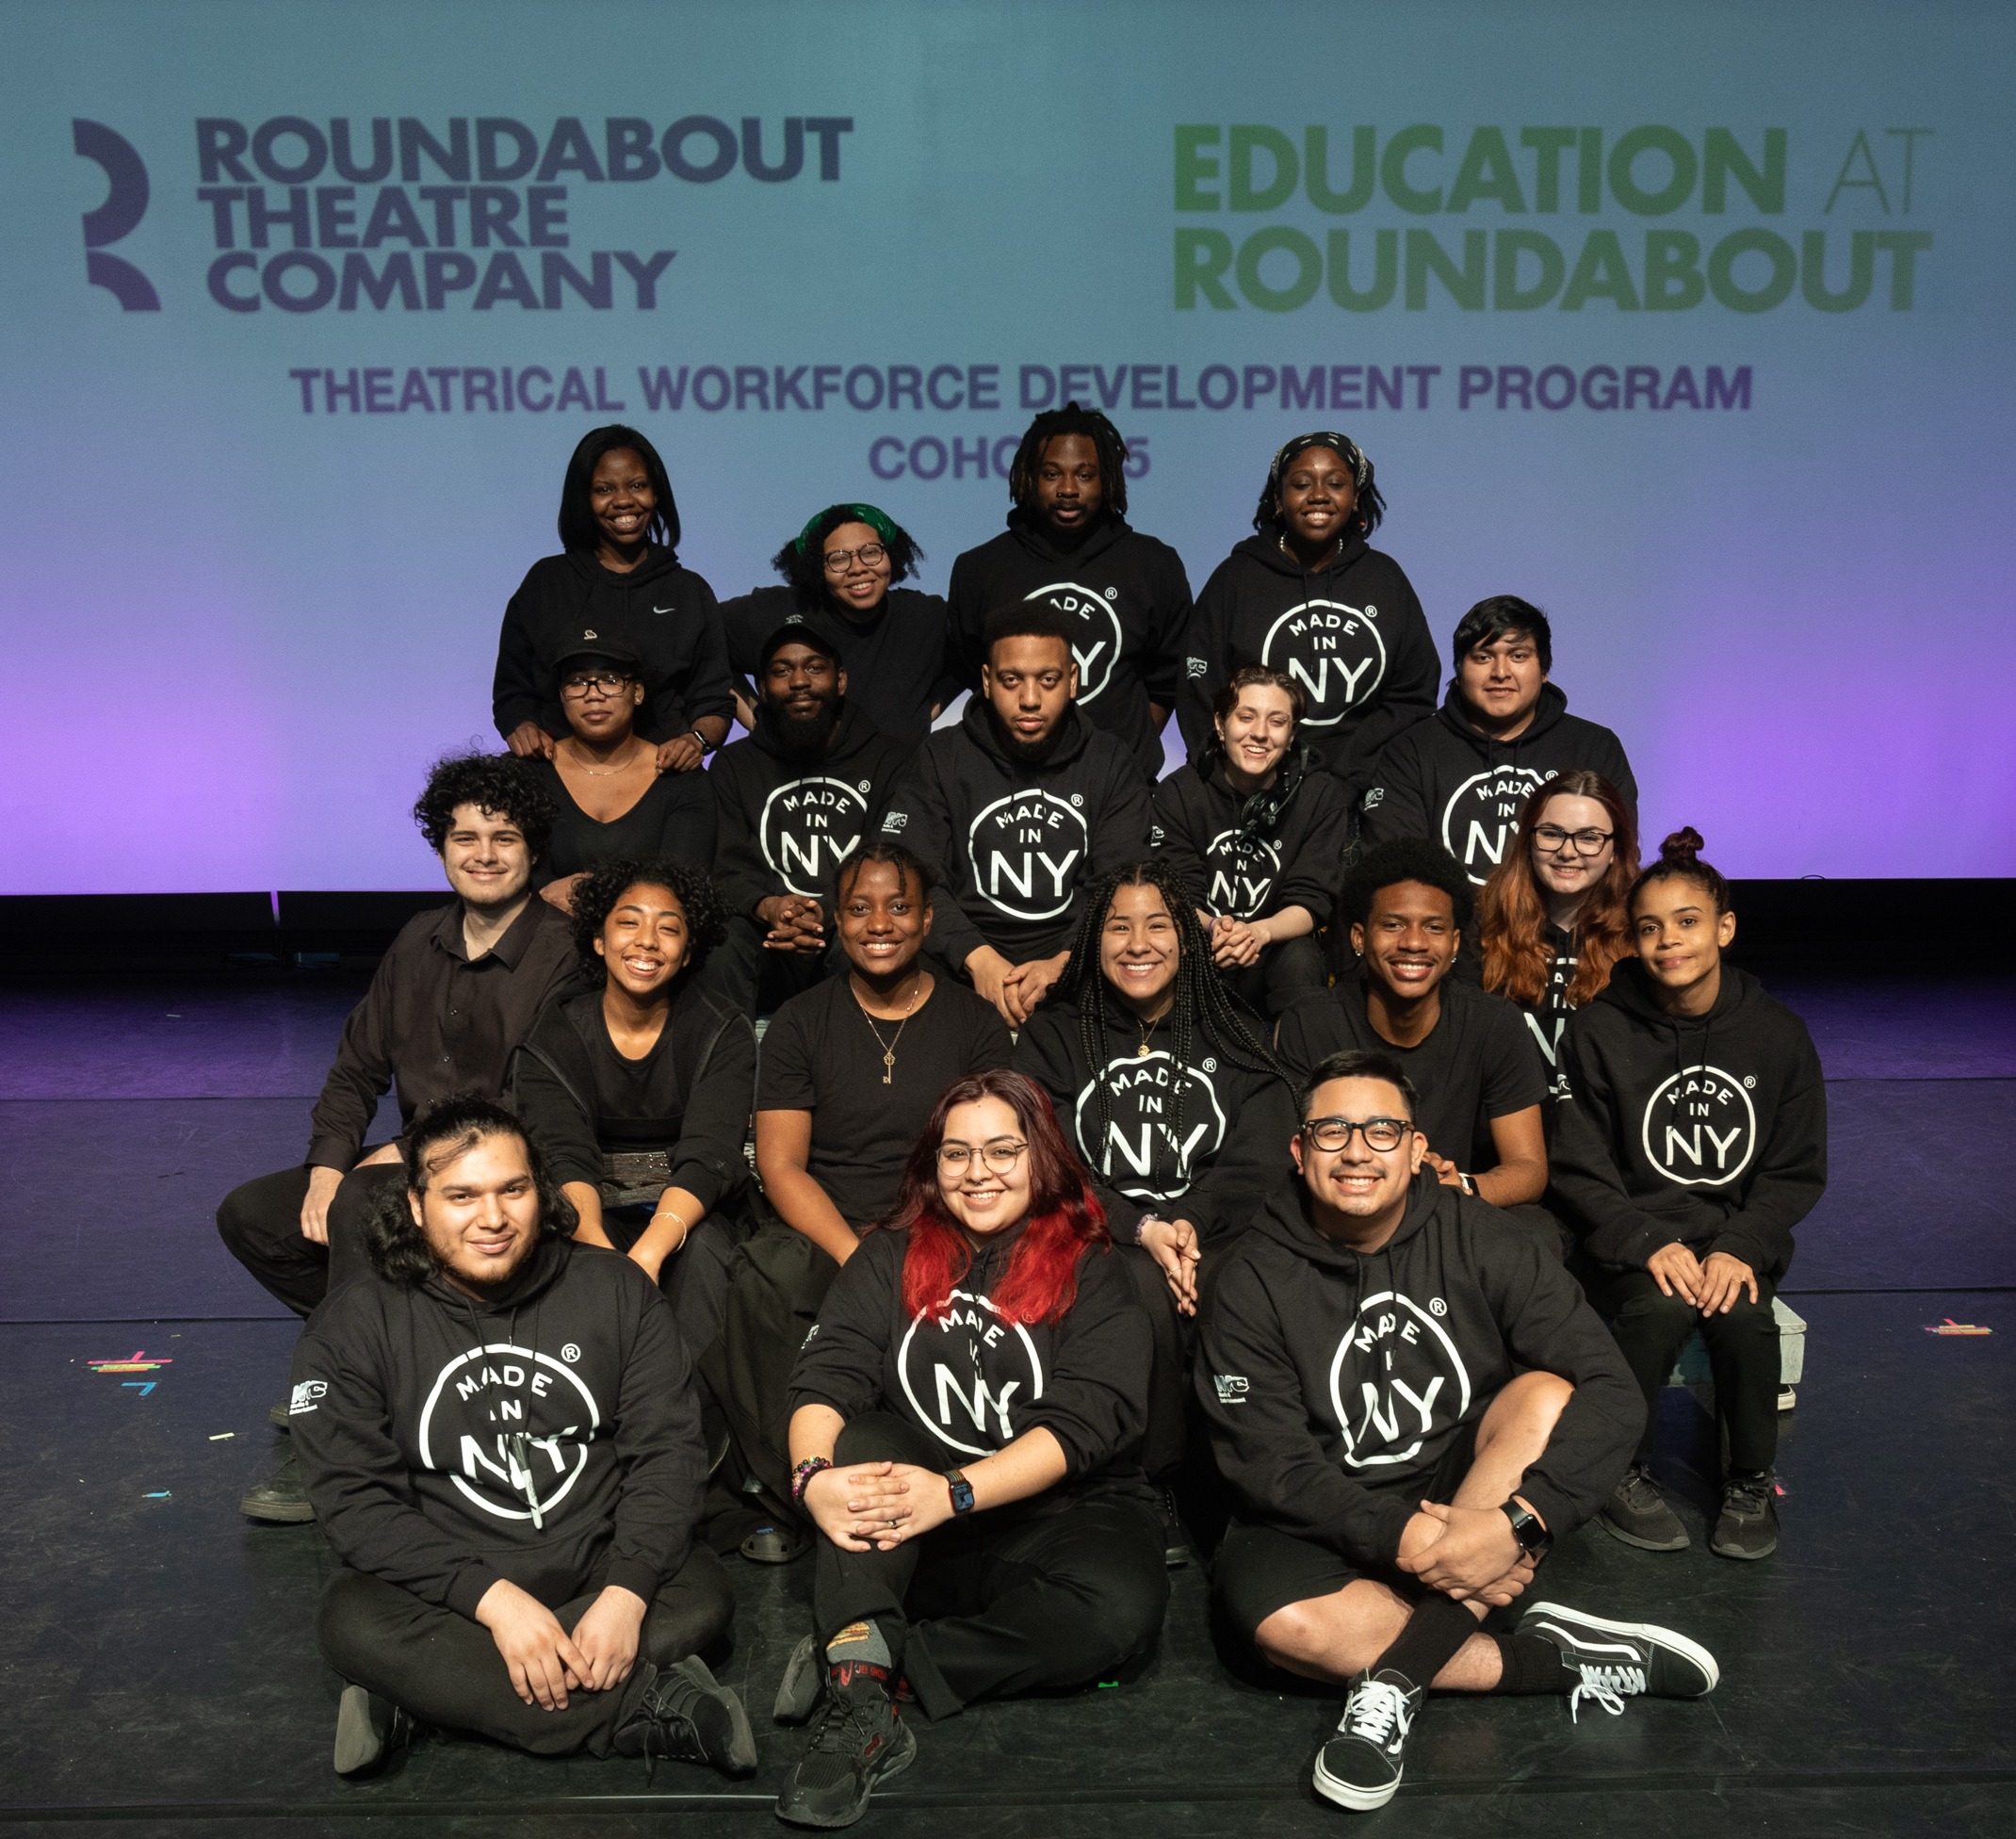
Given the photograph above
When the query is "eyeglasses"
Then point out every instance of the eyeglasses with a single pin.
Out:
(1554, 840)
(597, 683)
(1000, 1156)
(1330, 1135)
(839, 561)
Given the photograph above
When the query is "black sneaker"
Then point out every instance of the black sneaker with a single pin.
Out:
(860, 1739)
(1175, 1548)
(1746, 1527)
(687, 1714)
(277, 1416)
(281, 1498)
(1359, 1767)
(369, 1731)
(1622, 1660)
(1637, 1514)
(804, 1680)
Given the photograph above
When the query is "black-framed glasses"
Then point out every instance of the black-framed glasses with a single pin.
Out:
(839, 561)
(1554, 840)
(593, 683)
(1330, 1135)
(1000, 1156)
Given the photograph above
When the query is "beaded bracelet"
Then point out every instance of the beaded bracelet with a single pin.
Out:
(801, 1475)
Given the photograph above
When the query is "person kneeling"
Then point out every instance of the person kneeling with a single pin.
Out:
(499, 1434)
(964, 1426)
(1411, 1404)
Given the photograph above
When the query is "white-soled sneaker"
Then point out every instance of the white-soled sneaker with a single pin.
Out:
(1622, 1660)
(1360, 1766)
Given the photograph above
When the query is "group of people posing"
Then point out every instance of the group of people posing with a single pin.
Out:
(1317, 1159)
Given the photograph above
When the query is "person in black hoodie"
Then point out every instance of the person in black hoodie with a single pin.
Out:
(638, 1093)
(617, 580)
(794, 797)
(893, 643)
(1123, 596)
(1461, 774)
(1690, 1142)
(1306, 596)
(501, 1438)
(1412, 1405)
(1017, 809)
(964, 1418)
(1259, 830)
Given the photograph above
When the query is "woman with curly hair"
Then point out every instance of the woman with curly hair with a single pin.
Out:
(638, 1093)
(964, 1427)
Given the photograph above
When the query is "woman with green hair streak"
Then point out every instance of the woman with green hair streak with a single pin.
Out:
(841, 572)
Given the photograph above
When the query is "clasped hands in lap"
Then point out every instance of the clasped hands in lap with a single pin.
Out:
(546, 1661)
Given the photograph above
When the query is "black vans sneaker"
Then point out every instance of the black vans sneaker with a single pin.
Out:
(687, 1714)
(1359, 1767)
(1637, 1514)
(860, 1740)
(369, 1732)
(1622, 1660)
(1746, 1527)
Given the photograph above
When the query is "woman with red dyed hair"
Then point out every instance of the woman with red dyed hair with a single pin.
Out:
(965, 1424)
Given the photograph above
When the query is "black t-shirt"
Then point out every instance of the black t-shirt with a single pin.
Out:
(675, 817)
(1477, 1062)
(821, 1054)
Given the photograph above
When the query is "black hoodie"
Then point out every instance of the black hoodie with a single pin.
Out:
(1703, 1131)
(1334, 1381)
(1443, 780)
(543, 1435)
(1235, 1123)
(664, 613)
(1351, 634)
(974, 1382)
(1125, 595)
(897, 660)
(1014, 841)
(786, 819)
(1250, 856)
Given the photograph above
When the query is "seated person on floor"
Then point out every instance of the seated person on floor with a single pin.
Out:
(1460, 774)
(794, 797)
(454, 993)
(637, 1094)
(1259, 830)
(964, 1422)
(499, 1433)
(1017, 809)
(609, 798)
(1690, 1139)
(1553, 920)
(1466, 1051)
(1411, 1404)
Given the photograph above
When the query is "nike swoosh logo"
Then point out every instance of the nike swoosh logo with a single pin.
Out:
(664, 610)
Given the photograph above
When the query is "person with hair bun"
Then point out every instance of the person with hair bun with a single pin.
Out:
(1305, 595)
(965, 1423)
(1259, 830)
(1691, 1141)
(1553, 920)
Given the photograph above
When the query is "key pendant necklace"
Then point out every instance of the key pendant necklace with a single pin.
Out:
(888, 1048)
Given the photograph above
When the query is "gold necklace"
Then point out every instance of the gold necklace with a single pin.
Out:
(888, 1048)
(1147, 1034)
(600, 772)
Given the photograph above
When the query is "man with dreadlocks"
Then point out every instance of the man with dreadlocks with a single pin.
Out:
(1123, 597)
(1303, 594)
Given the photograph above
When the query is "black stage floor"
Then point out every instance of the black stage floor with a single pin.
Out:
(158, 1667)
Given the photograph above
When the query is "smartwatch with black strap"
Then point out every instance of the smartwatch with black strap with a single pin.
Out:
(962, 1491)
(1534, 1541)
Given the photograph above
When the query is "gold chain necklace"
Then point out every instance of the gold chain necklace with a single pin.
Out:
(1147, 1034)
(888, 1048)
(602, 771)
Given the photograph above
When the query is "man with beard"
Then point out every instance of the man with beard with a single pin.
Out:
(1018, 809)
(793, 797)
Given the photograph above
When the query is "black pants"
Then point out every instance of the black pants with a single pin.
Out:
(260, 1223)
(694, 1278)
(743, 971)
(1011, 1602)
(1285, 971)
(1163, 1441)
(447, 1671)
(1651, 1328)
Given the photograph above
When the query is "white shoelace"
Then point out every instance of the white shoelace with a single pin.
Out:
(1376, 1707)
(1608, 1686)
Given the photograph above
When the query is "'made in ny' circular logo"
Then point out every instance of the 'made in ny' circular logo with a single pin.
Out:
(1094, 628)
(966, 1371)
(1479, 820)
(1396, 1381)
(1026, 851)
(1333, 651)
(509, 1422)
(1240, 871)
(806, 826)
(1141, 1155)
(1700, 1128)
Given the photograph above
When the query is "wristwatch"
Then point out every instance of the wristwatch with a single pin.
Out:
(1534, 1541)
(1466, 1183)
(962, 1490)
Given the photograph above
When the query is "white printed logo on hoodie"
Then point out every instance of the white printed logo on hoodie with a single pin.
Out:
(503, 1421)
(1095, 627)
(1478, 820)
(966, 1371)
(1700, 1128)
(1397, 1379)
(1333, 651)
(807, 825)
(1141, 1093)
(1026, 851)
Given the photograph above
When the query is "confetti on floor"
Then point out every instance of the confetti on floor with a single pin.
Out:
(224, 1436)
(139, 1360)
(163, 1495)
(1949, 1327)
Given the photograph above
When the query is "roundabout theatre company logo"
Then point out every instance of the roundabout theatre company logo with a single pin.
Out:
(964, 1371)
(1700, 1128)
(1025, 850)
(1333, 651)
(808, 826)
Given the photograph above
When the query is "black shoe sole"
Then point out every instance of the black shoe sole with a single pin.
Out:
(368, 1731)
(1638, 1542)
(276, 1415)
(1730, 1551)
(278, 1513)
(899, 1757)
(1340, 1793)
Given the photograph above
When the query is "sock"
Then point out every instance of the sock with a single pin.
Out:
(1434, 1633)
(860, 1648)
(1533, 1666)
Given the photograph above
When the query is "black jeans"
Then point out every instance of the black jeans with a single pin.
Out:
(260, 1223)
(694, 1278)
(1285, 971)
(1171, 1333)
(1652, 1328)
(446, 1669)
(741, 969)
(1012, 1601)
